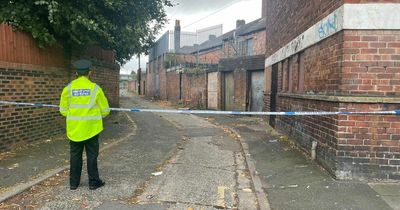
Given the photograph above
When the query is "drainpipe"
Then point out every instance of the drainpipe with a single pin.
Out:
(313, 150)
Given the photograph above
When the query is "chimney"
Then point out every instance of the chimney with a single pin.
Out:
(240, 23)
(177, 35)
(264, 8)
(212, 37)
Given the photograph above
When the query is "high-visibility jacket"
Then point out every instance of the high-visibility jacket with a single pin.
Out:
(84, 104)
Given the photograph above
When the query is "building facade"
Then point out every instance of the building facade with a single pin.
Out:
(241, 70)
(339, 55)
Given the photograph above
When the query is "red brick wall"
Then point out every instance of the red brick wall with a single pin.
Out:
(195, 90)
(322, 64)
(150, 81)
(107, 77)
(211, 57)
(29, 124)
(352, 64)
(286, 19)
(338, 66)
(349, 146)
(371, 63)
(306, 129)
(368, 146)
(259, 42)
(38, 76)
(259, 39)
(173, 86)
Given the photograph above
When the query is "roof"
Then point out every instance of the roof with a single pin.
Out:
(252, 27)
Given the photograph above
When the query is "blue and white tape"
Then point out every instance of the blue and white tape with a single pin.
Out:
(176, 111)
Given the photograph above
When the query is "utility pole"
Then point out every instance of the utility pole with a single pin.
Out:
(139, 76)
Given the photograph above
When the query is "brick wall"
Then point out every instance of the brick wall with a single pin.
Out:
(259, 39)
(368, 146)
(38, 76)
(284, 22)
(29, 124)
(195, 90)
(173, 86)
(150, 81)
(259, 42)
(353, 70)
(322, 66)
(371, 63)
(211, 57)
(306, 129)
(107, 77)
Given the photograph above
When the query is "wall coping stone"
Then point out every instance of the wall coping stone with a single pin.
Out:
(343, 99)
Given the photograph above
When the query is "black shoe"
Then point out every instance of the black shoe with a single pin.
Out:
(73, 187)
(98, 185)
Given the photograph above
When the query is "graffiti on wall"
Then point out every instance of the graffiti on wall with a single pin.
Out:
(328, 26)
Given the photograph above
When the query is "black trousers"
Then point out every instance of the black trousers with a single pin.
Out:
(92, 152)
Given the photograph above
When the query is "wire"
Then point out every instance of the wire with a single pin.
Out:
(213, 13)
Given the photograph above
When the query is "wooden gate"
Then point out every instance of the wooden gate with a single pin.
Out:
(212, 90)
(229, 91)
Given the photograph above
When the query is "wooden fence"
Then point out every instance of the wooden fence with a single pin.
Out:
(19, 47)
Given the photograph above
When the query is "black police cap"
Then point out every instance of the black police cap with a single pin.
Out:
(82, 65)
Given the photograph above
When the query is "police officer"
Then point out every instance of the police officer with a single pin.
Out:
(84, 105)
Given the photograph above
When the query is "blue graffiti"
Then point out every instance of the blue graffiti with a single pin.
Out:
(328, 27)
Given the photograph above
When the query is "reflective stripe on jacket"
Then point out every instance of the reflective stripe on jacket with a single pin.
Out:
(84, 104)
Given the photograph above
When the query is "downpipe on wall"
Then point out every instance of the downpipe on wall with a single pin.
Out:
(313, 150)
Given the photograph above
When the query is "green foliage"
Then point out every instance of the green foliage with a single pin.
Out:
(126, 26)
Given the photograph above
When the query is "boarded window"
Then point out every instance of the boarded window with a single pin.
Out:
(290, 75)
(301, 73)
(250, 46)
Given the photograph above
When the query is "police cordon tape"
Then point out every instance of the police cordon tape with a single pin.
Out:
(178, 111)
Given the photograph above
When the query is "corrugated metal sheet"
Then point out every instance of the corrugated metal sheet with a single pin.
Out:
(19, 47)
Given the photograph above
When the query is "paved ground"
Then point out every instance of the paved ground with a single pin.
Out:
(31, 162)
(171, 161)
(202, 167)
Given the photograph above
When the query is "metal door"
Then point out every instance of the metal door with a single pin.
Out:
(257, 91)
(229, 93)
(212, 90)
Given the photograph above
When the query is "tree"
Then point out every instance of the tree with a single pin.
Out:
(126, 26)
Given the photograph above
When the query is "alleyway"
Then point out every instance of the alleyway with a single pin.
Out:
(171, 161)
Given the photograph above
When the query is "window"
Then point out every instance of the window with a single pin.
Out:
(245, 48)
(290, 75)
(250, 47)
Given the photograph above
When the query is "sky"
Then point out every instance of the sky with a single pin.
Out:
(198, 14)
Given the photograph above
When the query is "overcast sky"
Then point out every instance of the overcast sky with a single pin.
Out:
(198, 14)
